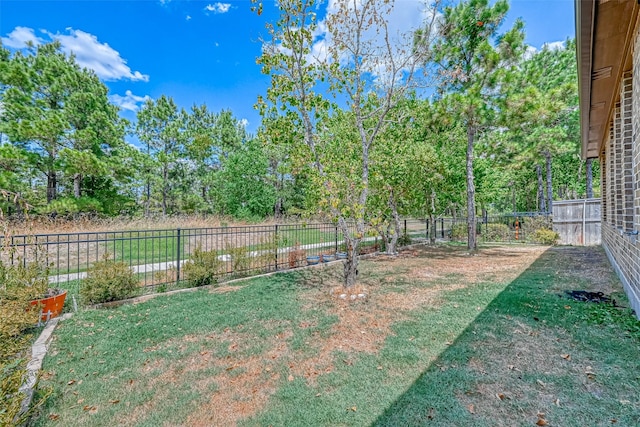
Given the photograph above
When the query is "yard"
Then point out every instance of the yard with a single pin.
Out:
(443, 338)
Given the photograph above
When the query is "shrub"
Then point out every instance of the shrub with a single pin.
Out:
(496, 232)
(240, 260)
(404, 240)
(546, 237)
(20, 283)
(203, 268)
(108, 280)
(459, 231)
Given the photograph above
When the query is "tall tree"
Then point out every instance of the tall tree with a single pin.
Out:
(473, 58)
(58, 111)
(162, 127)
(360, 59)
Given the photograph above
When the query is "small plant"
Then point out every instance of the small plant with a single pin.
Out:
(546, 237)
(204, 268)
(496, 232)
(458, 231)
(21, 282)
(297, 256)
(240, 261)
(108, 280)
(404, 240)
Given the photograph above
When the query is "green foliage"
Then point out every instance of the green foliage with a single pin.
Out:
(108, 280)
(59, 114)
(72, 205)
(404, 240)
(203, 268)
(20, 283)
(545, 237)
(240, 258)
(496, 232)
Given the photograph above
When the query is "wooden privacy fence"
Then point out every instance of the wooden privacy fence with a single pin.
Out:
(577, 221)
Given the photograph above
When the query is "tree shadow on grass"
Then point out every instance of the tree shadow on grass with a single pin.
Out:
(534, 357)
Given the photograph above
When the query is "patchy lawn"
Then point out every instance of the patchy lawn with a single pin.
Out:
(443, 338)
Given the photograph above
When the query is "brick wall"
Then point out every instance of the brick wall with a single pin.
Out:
(620, 163)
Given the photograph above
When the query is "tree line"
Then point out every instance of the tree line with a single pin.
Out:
(455, 118)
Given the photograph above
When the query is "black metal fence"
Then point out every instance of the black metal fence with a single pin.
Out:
(159, 257)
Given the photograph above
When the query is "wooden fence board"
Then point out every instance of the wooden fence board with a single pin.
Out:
(577, 221)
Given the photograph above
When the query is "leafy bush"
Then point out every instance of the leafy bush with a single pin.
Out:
(204, 268)
(545, 237)
(108, 280)
(20, 283)
(496, 232)
(404, 240)
(240, 260)
(459, 231)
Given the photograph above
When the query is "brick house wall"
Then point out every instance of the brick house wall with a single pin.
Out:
(620, 183)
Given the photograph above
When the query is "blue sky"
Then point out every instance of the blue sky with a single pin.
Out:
(194, 51)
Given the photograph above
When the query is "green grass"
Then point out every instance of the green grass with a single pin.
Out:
(441, 364)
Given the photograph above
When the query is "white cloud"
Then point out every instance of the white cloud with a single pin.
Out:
(99, 57)
(218, 7)
(18, 38)
(559, 45)
(129, 101)
(188, 18)
(243, 122)
(529, 52)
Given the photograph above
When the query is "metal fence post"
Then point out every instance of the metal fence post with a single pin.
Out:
(426, 221)
(442, 226)
(178, 256)
(336, 238)
(405, 229)
(276, 244)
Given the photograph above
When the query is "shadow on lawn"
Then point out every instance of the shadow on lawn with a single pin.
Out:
(533, 357)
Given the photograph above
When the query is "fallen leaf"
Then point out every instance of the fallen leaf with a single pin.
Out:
(318, 395)
(543, 385)
(542, 422)
(557, 402)
(54, 416)
(471, 409)
(353, 408)
(613, 420)
(114, 401)
(567, 307)
(500, 396)
(290, 378)
(80, 401)
(566, 356)
(379, 368)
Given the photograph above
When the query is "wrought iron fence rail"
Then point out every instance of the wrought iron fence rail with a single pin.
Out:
(158, 256)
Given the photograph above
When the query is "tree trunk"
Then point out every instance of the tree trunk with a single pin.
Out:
(432, 218)
(547, 155)
(391, 241)
(351, 263)
(589, 168)
(165, 179)
(147, 202)
(542, 204)
(77, 180)
(52, 186)
(471, 191)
